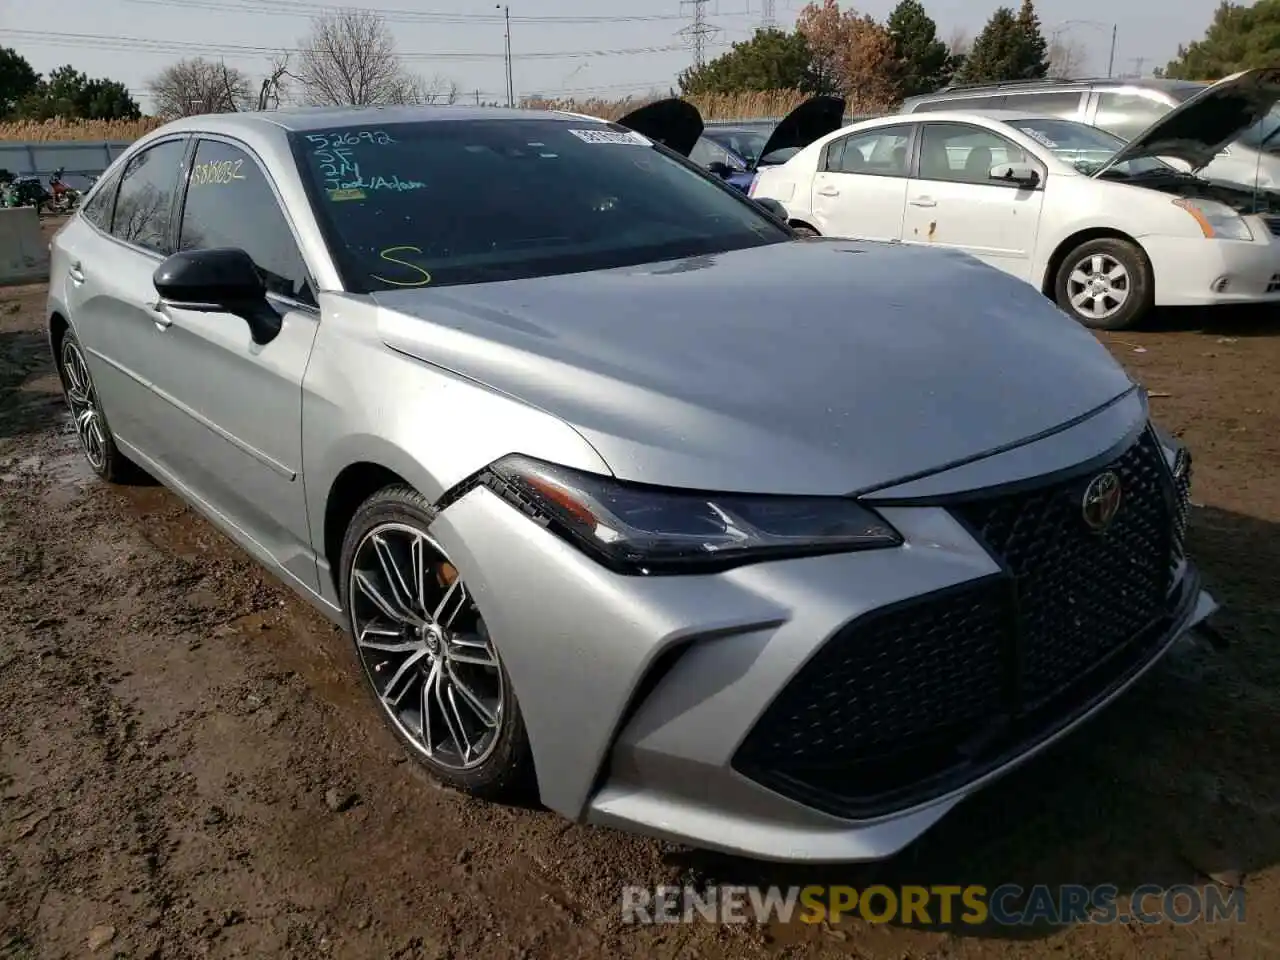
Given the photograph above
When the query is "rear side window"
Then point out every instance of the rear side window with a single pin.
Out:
(1127, 114)
(1049, 103)
(230, 203)
(98, 210)
(963, 103)
(878, 152)
(144, 205)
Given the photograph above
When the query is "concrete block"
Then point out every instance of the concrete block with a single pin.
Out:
(24, 254)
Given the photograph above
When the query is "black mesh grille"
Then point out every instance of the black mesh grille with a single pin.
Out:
(1080, 593)
(890, 678)
(1182, 502)
(903, 699)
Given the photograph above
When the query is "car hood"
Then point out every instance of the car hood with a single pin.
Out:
(818, 367)
(1198, 129)
(810, 121)
(673, 122)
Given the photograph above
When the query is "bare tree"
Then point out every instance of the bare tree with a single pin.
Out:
(959, 43)
(1067, 58)
(274, 85)
(195, 86)
(413, 89)
(350, 58)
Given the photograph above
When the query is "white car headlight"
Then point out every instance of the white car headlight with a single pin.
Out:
(1217, 220)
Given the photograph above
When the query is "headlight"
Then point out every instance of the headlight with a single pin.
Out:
(649, 530)
(1217, 220)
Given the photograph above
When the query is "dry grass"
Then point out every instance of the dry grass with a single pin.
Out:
(64, 130)
(741, 106)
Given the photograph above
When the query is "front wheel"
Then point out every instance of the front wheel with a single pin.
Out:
(1105, 284)
(426, 653)
(96, 440)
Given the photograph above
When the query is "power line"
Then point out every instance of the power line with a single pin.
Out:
(393, 15)
(193, 47)
(698, 32)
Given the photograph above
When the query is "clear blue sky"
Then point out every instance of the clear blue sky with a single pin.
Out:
(609, 57)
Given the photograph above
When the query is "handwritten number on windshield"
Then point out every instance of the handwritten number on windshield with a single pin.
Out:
(349, 138)
(421, 280)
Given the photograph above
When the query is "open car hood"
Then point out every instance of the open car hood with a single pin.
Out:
(1197, 130)
(813, 119)
(673, 122)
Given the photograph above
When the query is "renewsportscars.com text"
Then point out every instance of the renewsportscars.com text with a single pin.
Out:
(1005, 905)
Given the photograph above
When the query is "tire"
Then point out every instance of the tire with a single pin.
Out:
(1125, 290)
(380, 545)
(97, 443)
(805, 232)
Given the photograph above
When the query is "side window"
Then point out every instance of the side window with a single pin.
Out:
(881, 152)
(967, 103)
(1065, 104)
(1127, 114)
(705, 151)
(960, 153)
(144, 205)
(231, 204)
(98, 210)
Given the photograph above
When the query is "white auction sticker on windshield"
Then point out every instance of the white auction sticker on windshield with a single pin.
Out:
(612, 136)
(1039, 137)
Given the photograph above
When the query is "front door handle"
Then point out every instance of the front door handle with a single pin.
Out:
(828, 192)
(924, 202)
(158, 315)
(76, 273)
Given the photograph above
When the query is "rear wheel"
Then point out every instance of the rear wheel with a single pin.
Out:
(426, 653)
(806, 232)
(1105, 284)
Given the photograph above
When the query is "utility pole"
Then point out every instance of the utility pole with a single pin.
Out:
(511, 90)
(1138, 63)
(768, 20)
(698, 31)
(1111, 61)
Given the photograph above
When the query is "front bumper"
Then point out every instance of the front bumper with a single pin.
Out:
(640, 694)
(1196, 272)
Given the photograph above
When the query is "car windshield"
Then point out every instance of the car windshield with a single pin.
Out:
(1086, 148)
(469, 201)
(745, 143)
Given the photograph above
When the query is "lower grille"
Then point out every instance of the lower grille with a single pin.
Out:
(906, 702)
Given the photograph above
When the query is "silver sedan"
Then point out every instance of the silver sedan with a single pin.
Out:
(628, 496)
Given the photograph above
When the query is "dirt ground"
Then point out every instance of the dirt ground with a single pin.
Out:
(176, 731)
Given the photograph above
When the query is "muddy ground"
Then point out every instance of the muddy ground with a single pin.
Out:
(176, 731)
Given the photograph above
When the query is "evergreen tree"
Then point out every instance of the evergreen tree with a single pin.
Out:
(1035, 58)
(924, 62)
(770, 60)
(1239, 38)
(1010, 47)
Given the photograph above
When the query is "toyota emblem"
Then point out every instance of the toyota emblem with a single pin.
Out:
(1101, 501)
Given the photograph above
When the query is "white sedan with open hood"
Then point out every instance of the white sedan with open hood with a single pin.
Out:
(1106, 228)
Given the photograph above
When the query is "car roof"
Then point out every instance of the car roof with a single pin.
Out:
(1080, 85)
(301, 119)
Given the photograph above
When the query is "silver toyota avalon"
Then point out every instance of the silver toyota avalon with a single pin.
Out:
(628, 497)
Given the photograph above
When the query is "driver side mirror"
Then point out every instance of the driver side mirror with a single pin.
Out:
(720, 169)
(1023, 174)
(221, 280)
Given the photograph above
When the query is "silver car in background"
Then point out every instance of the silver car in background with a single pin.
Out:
(1125, 108)
(626, 495)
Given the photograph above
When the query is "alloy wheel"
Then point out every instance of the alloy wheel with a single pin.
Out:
(1099, 286)
(83, 401)
(425, 648)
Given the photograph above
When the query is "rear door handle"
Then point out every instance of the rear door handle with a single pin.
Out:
(157, 311)
(924, 202)
(828, 192)
(75, 273)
